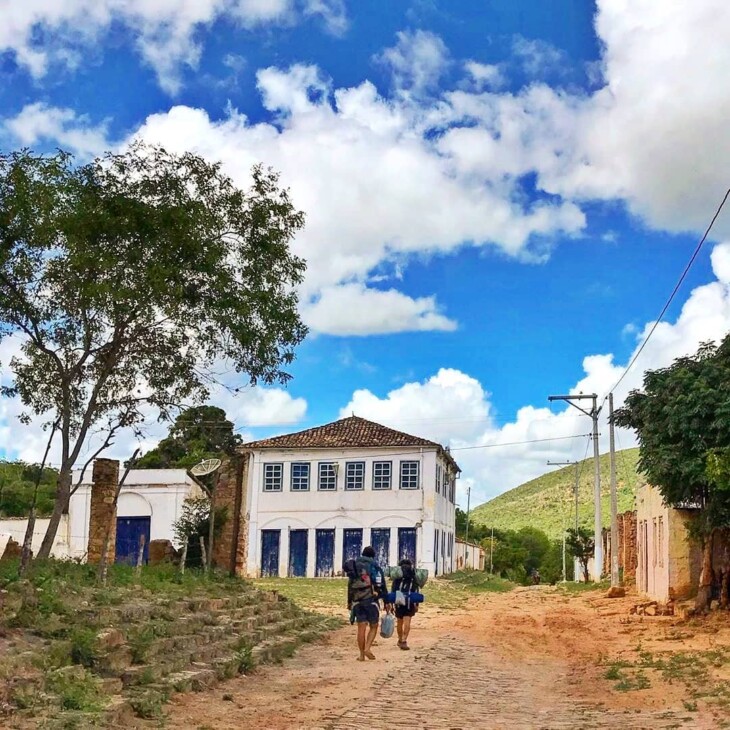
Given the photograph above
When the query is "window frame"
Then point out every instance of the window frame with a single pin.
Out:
(403, 477)
(333, 476)
(292, 477)
(360, 488)
(266, 477)
(376, 476)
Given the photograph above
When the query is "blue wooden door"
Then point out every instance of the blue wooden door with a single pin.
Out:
(270, 553)
(325, 554)
(129, 531)
(380, 540)
(351, 544)
(407, 544)
(298, 553)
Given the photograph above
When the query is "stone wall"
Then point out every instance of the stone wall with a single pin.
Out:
(103, 510)
(231, 546)
(627, 558)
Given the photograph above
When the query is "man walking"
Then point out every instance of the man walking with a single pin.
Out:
(365, 588)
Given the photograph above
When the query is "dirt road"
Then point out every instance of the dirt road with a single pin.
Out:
(532, 658)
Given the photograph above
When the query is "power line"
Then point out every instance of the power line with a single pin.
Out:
(672, 295)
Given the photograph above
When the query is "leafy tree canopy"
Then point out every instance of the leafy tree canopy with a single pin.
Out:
(17, 484)
(126, 279)
(581, 545)
(201, 432)
(682, 420)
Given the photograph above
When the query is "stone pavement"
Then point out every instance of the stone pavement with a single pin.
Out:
(453, 686)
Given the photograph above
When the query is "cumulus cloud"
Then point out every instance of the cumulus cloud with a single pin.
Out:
(166, 34)
(354, 309)
(39, 123)
(454, 408)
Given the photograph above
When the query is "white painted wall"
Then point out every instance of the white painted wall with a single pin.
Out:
(365, 509)
(155, 493)
(469, 556)
(15, 528)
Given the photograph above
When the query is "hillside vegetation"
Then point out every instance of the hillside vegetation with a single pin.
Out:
(547, 502)
(17, 482)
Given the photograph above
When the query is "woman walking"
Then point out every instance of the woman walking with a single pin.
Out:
(405, 607)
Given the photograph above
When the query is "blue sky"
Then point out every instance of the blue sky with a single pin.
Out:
(495, 191)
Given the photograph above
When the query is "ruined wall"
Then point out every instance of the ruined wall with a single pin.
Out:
(627, 558)
(231, 546)
(684, 556)
(102, 510)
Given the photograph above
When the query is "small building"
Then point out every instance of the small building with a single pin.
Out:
(468, 555)
(314, 498)
(150, 502)
(669, 562)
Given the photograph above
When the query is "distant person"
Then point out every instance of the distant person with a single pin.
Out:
(407, 608)
(365, 588)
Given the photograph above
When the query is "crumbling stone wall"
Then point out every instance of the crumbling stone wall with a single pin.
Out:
(627, 556)
(103, 511)
(231, 546)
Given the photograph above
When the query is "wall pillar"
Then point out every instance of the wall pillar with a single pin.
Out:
(231, 546)
(103, 510)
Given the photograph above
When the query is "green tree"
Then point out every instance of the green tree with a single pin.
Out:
(201, 432)
(682, 420)
(129, 278)
(581, 545)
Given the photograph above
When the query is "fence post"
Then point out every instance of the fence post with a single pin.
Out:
(140, 556)
(203, 554)
(184, 556)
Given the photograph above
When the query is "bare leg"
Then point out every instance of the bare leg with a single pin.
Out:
(399, 629)
(406, 628)
(369, 640)
(361, 640)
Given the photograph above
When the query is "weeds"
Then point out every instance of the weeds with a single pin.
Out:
(75, 690)
(244, 656)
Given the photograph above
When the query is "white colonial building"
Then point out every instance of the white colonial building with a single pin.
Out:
(315, 498)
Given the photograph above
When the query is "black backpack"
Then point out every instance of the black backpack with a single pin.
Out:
(364, 578)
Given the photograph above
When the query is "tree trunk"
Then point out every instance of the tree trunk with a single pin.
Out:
(63, 493)
(586, 577)
(704, 592)
(724, 591)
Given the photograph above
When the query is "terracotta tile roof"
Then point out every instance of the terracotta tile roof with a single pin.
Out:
(350, 432)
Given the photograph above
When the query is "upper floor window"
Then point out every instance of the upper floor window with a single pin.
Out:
(300, 477)
(327, 477)
(382, 475)
(438, 478)
(409, 474)
(273, 477)
(355, 475)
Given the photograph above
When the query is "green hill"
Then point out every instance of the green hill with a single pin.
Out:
(548, 504)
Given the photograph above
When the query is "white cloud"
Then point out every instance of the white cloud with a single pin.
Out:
(454, 408)
(165, 32)
(353, 309)
(485, 76)
(537, 56)
(39, 123)
(416, 62)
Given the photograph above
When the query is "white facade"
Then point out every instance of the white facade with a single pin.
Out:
(15, 527)
(468, 556)
(155, 493)
(280, 498)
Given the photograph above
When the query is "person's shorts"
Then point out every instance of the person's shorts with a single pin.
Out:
(367, 613)
(403, 611)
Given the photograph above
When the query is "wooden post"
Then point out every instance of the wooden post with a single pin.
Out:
(202, 554)
(184, 555)
(140, 556)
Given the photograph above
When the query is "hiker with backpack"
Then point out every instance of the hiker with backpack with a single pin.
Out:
(365, 588)
(406, 588)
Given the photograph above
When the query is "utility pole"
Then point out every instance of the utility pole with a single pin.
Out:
(466, 533)
(575, 494)
(614, 498)
(597, 527)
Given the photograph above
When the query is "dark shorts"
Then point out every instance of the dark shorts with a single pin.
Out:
(367, 613)
(403, 611)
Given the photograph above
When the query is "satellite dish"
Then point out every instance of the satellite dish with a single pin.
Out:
(207, 466)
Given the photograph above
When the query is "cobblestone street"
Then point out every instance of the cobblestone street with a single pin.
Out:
(526, 659)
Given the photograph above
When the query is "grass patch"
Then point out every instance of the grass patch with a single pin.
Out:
(75, 690)
(573, 587)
